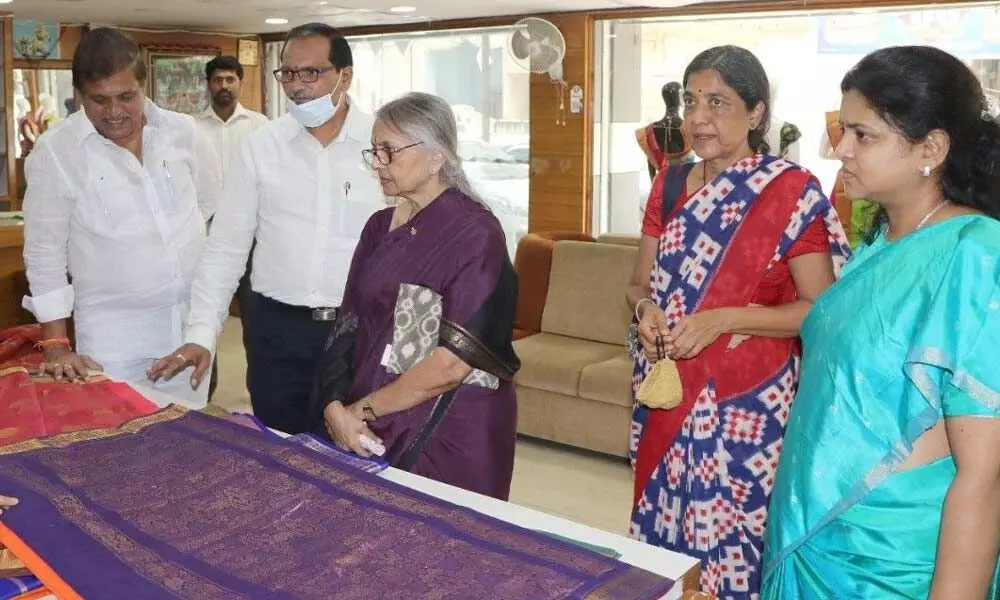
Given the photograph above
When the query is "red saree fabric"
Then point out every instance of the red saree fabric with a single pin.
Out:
(17, 346)
(31, 408)
(39, 408)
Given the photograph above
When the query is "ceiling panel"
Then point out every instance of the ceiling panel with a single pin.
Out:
(248, 16)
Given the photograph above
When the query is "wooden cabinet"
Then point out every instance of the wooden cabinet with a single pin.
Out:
(13, 283)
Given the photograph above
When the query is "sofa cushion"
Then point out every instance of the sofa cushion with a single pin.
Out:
(586, 297)
(533, 261)
(609, 381)
(622, 239)
(554, 363)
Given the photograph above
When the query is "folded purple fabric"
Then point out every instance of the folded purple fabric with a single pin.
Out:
(182, 505)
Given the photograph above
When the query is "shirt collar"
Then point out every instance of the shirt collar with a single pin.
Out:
(357, 126)
(209, 114)
(85, 129)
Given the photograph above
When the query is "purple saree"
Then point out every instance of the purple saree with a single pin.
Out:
(182, 505)
(457, 248)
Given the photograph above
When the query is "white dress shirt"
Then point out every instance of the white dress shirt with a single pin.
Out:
(128, 234)
(305, 204)
(228, 136)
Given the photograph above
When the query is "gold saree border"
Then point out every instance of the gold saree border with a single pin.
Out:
(48, 378)
(62, 440)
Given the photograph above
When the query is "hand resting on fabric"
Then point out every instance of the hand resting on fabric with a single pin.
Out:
(188, 354)
(62, 363)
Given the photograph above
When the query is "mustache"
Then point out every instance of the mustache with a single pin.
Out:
(224, 95)
(299, 96)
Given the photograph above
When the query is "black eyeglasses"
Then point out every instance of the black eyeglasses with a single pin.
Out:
(383, 154)
(307, 75)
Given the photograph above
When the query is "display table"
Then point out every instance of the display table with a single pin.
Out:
(678, 567)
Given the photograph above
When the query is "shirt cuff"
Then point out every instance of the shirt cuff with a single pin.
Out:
(204, 336)
(51, 306)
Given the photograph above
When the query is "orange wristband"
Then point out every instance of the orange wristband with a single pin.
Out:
(53, 342)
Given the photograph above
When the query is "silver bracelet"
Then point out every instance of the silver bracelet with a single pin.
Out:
(638, 304)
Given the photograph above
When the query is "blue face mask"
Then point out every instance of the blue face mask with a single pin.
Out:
(317, 111)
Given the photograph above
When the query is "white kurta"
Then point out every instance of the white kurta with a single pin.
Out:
(127, 234)
(229, 136)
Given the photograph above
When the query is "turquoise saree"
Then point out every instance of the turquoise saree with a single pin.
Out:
(908, 336)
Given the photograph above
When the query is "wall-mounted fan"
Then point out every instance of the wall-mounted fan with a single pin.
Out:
(538, 46)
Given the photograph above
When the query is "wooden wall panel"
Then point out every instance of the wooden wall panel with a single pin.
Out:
(252, 95)
(560, 175)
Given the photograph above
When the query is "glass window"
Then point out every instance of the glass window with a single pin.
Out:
(806, 54)
(41, 98)
(473, 72)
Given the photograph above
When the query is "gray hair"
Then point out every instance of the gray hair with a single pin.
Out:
(428, 119)
(742, 71)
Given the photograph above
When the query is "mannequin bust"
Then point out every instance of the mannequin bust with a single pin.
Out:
(663, 142)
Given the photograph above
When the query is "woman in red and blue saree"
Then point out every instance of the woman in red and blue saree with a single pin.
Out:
(452, 416)
(735, 249)
(890, 482)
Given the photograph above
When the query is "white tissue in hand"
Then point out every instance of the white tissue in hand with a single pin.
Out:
(372, 446)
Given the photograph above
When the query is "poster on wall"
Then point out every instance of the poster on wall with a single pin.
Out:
(178, 81)
(966, 32)
(34, 40)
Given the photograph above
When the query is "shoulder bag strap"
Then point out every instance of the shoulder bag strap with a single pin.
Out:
(437, 415)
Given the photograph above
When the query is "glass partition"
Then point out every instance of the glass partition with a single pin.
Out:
(41, 98)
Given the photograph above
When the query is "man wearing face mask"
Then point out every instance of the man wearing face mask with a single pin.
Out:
(300, 187)
(118, 195)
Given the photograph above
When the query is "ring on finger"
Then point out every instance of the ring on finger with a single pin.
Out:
(181, 356)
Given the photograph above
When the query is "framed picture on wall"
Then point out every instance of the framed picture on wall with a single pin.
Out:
(34, 40)
(177, 78)
(248, 51)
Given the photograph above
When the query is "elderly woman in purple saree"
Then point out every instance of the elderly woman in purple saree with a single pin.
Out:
(452, 415)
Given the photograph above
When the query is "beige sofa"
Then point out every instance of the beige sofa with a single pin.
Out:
(574, 386)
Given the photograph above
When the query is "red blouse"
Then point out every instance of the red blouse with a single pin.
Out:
(774, 287)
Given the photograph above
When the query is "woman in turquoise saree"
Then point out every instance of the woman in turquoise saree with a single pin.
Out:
(889, 481)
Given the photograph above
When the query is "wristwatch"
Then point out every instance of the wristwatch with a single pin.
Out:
(367, 409)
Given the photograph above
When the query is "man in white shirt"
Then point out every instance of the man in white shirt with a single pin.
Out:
(226, 121)
(118, 195)
(228, 124)
(300, 187)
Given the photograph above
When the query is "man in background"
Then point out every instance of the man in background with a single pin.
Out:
(300, 187)
(226, 121)
(228, 124)
(118, 195)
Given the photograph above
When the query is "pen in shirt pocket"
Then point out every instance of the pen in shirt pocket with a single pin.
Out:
(166, 171)
(347, 189)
